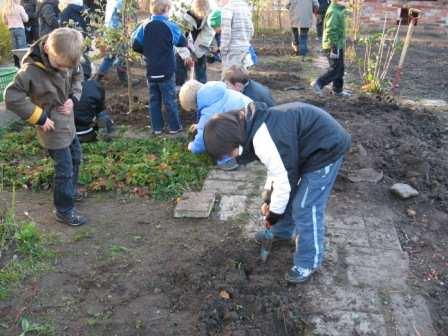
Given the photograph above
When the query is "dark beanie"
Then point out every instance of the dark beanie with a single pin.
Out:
(223, 133)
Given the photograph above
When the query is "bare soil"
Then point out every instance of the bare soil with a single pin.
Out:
(137, 271)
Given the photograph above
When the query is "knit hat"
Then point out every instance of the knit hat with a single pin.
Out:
(188, 94)
(215, 18)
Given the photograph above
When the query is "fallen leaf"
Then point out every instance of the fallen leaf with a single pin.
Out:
(224, 294)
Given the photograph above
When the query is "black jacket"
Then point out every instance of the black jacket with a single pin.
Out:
(259, 93)
(74, 13)
(91, 103)
(290, 140)
(30, 7)
(48, 14)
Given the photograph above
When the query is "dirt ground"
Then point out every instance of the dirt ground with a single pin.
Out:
(137, 271)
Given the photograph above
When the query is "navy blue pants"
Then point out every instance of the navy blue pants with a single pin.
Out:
(66, 169)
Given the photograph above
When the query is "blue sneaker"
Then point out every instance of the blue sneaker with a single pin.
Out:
(228, 165)
(299, 274)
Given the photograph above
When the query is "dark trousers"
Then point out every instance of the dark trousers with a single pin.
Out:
(335, 73)
(200, 69)
(66, 169)
(320, 25)
(301, 39)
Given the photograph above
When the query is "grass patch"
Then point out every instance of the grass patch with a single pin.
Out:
(24, 251)
(39, 329)
(160, 167)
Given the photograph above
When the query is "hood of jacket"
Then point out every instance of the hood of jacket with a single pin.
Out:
(211, 93)
(36, 55)
(54, 3)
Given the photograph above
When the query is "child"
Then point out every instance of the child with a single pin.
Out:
(155, 39)
(43, 93)
(236, 32)
(302, 147)
(301, 17)
(237, 78)
(32, 26)
(202, 35)
(48, 14)
(207, 100)
(90, 112)
(14, 16)
(323, 6)
(333, 43)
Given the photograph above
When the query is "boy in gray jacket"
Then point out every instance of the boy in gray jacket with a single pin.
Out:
(43, 94)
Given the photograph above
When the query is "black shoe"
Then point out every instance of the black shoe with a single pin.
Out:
(73, 218)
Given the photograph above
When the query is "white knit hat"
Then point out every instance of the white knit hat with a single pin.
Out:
(188, 94)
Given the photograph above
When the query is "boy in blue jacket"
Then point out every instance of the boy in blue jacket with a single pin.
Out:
(207, 100)
(155, 39)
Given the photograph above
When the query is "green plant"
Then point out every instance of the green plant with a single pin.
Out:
(5, 43)
(379, 51)
(23, 250)
(158, 167)
(36, 328)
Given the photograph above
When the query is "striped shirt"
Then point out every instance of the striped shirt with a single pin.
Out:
(236, 26)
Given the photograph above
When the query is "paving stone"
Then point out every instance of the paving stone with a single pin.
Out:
(348, 237)
(346, 222)
(343, 323)
(325, 299)
(374, 258)
(227, 188)
(231, 206)
(195, 205)
(384, 239)
(377, 277)
(236, 175)
(365, 175)
(380, 219)
(411, 315)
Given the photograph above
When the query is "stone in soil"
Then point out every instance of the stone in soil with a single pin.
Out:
(195, 205)
(366, 175)
(403, 190)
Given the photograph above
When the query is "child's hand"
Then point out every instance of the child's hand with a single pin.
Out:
(67, 108)
(48, 125)
(264, 209)
(193, 128)
(189, 62)
(334, 53)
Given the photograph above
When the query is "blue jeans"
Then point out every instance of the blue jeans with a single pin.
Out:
(66, 166)
(305, 215)
(18, 41)
(163, 91)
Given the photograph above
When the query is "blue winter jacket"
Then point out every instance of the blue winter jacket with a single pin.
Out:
(155, 39)
(212, 98)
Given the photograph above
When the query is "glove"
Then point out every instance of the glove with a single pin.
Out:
(271, 219)
(334, 53)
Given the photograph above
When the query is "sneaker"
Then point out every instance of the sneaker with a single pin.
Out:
(228, 165)
(260, 237)
(317, 89)
(73, 218)
(342, 94)
(157, 132)
(299, 274)
(78, 196)
(175, 131)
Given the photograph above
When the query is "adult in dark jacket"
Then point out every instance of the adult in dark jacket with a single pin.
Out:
(323, 6)
(302, 147)
(32, 26)
(90, 112)
(237, 78)
(48, 15)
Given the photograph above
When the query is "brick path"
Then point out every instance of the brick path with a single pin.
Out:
(362, 286)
